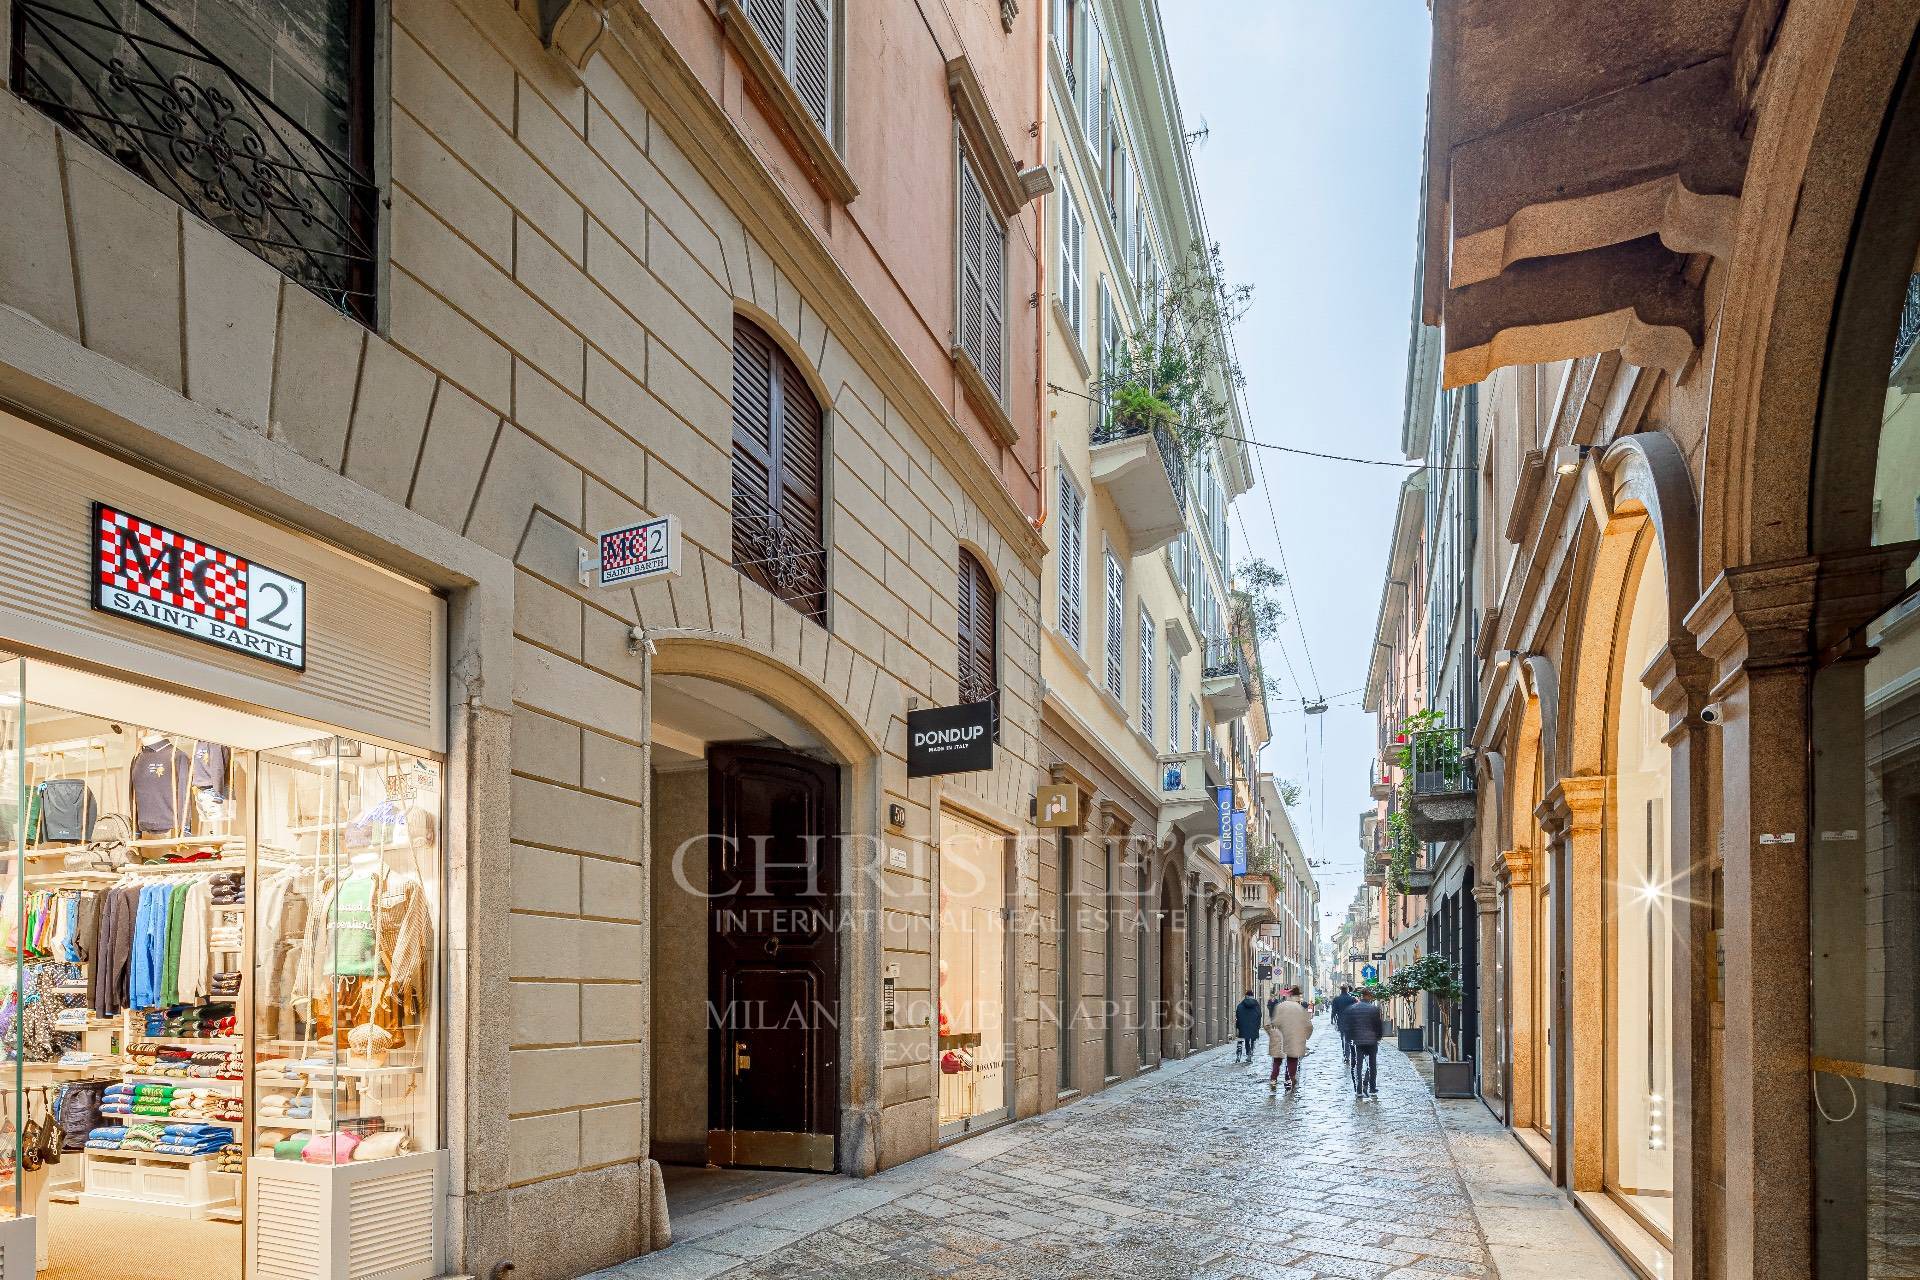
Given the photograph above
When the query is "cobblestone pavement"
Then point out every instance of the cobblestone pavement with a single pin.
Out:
(1194, 1172)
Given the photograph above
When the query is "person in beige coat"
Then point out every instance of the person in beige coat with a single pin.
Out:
(1287, 1035)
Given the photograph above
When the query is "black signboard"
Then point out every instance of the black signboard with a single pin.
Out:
(950, 739)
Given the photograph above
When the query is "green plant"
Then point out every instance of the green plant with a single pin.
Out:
(1136, 406)
(1378, 990)
(1182, 355)
(1258, 588)
(1433, 975)
(1403, 846)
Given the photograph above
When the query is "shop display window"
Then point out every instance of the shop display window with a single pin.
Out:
(972, 1046)
(221, 946)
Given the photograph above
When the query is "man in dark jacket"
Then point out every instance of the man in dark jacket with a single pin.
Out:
(1362, 1025)
(1246, 1025)
(1341, 1003)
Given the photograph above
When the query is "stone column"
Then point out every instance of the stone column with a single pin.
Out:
(1580, 806)
(1190, 981)
(1514, 871)
(1486, 901)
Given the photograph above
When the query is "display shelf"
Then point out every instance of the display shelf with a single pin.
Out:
(191, 1082)
(150, 1182)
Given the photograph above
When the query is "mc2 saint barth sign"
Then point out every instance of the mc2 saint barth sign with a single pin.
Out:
(148, 573)
(956, 739)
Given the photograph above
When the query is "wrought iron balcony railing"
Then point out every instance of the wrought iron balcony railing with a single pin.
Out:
(1440, 763)
(1222, 659)
(1170, 456)
(137, 85)
(1909, 322)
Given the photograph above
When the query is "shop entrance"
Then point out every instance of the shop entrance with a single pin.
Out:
(218, 951)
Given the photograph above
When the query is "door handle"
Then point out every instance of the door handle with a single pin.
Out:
(742, 1061)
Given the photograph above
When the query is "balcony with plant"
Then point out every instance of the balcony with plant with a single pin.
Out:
(1437, 777)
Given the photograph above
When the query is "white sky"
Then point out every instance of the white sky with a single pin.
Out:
(1310, 175)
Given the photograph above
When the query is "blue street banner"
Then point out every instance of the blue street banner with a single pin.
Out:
(1239, 842)
(1223, 801)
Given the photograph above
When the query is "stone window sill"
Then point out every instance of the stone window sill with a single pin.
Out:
(824, 165)
(1072, 335)
(983, 398)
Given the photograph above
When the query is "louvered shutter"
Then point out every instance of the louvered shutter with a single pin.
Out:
(812, 67)
(1072, 553)
(769, 19)
(779, 439)
(977, 647)
(1093, 80)
(1146, 675)
(993, 334)
(972, 290)
(1116, 626)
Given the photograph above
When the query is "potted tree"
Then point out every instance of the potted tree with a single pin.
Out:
(1452, 1077)
(1409, 1036)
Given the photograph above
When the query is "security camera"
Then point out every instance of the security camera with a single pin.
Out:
(1712, 713)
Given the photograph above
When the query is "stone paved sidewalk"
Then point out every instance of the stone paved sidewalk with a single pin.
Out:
(1194, 1171)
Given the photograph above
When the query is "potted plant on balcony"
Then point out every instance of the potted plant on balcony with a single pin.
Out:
(1179, 356)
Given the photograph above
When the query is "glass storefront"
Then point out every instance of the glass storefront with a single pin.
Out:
(1543, 987)
(971, 1054)
(1639, 1167)
(1864, 887)
(222, 949)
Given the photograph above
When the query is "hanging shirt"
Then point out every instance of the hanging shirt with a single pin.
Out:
(210, 769)
(147, 968)
(352, 953)
(160, 777)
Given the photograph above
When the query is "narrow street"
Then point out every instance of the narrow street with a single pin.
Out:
(1194, 1171)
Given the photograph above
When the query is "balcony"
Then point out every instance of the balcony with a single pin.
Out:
(1443, 803)
(1140, 469)
(241, 135)
(1186, 797)
(1420, 882)
(1224, 683)
(1380, 780)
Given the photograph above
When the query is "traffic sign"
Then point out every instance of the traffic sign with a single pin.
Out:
(1369, 973)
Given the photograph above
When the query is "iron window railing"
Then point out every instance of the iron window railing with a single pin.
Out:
(1909, 321)
(1440, 762)
(785, 557)
(132, 81)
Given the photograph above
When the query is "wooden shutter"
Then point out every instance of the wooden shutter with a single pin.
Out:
(1146, 675)
(978, 615)
(1073, 560)
(1072, 249)
(1093, 80)
(972, 232)
(769, 19)
(779, 439)
(812, 65)
(1116, 626)
(983, 287)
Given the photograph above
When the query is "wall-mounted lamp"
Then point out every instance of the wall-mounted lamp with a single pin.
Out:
(1568, 457)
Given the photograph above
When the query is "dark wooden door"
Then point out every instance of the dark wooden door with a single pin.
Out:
(773, 959)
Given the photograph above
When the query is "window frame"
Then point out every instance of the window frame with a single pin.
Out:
(782, 368)
(977, 656)
(1146, 675)
(1073, 563)
(1116, 625)
(785, 54)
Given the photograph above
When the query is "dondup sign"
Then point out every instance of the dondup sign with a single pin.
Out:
(950, 739)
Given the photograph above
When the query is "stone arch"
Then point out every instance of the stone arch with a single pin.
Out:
(1831, 73)
(1543, 687)
(802, 691)
(805, 361)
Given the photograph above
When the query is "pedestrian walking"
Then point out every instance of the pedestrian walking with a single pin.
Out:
(1341, 1003)
(1287, 1037)
(1363, 1027)
(1246, 1024)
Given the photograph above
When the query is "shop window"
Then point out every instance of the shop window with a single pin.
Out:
(973, 975)
(977, 635)
(224, 933)
(254, 116)
(779, 445)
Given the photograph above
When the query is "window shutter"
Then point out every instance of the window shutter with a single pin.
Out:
(977, 610)
(1071, 232)
(1193, 724)
(1146, 675)
(812, 69)
(1094, 82)
(993, 338)
(1116, 626)
(972, 236)
(779, 439)
(1073, 560)
(769, 19)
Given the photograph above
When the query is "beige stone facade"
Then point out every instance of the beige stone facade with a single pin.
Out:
(1694, 549)
(578, 204)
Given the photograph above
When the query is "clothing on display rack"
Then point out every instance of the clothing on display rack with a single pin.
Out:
(160, 779)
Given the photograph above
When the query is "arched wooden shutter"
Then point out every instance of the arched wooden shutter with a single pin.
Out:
(779, 447)
(979, 610)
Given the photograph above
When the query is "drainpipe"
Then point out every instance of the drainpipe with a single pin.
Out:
(1040, 287)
